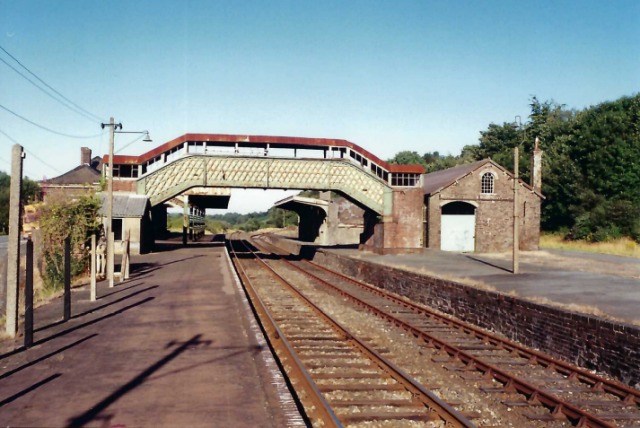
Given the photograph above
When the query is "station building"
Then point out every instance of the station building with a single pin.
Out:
(470, 208)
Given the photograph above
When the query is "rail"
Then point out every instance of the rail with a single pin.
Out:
(437, 409)
(313, 398)
(559, 408)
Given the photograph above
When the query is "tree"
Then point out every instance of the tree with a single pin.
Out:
(407, 158)
(590, 169)
(31, 191)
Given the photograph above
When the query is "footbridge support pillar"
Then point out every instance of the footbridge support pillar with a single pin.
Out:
(401, 230)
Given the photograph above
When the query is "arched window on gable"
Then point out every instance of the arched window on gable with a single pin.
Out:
(487, 183)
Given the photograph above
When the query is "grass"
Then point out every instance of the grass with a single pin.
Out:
(619, 247)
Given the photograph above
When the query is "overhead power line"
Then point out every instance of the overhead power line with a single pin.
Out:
(128, 144)
(49, 86)
(24, 171)
(30, 152)
(49, 129)
(49, 95)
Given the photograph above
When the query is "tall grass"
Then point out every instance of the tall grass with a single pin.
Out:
(618, 247)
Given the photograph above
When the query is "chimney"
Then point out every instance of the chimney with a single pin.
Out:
(85, 156)
(536, 167)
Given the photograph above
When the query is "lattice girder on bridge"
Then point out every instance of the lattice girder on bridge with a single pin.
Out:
(267, 173)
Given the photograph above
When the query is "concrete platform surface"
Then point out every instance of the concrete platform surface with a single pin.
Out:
(588, 291)
(175, 346)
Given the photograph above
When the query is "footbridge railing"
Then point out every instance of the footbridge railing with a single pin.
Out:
(267, 173)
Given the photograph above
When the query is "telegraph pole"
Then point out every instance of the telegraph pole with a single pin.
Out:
(516, 217)
(109, 229)
(110, 259)
(13, 251)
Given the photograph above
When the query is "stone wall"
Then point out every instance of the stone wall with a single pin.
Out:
(345, 222)
(586, 341)
(494, 213)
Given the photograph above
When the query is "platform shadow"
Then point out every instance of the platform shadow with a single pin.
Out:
(45, 357)
(94, 412)
(29, 389)
(475, 259)
(97, 308)
(78, 327)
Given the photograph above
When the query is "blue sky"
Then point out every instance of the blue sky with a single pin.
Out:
(389, 76)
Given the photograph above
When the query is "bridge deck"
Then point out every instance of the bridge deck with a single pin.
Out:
(174, 346)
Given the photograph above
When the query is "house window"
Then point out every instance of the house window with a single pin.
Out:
(487, 183)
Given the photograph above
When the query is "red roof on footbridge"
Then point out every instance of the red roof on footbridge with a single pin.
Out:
(262, 140)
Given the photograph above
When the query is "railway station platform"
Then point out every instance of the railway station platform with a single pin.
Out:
(595, 284)
(176, 345)
(613, 294)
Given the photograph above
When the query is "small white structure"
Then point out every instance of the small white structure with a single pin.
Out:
(130, 214)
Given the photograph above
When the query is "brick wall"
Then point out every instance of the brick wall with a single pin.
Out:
(586, 341)
(402, 230)
(494, 213)
(129, 186)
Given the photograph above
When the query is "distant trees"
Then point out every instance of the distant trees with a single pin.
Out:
(220, 223)
(431, 161)
(30, 192)
(591, 166)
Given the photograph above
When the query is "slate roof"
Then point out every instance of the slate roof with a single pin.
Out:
(82, 174)
(437, 181)
(125, 205)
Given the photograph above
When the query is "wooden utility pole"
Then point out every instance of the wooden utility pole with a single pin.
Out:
(13, 251)
(516, 217)
(108, 229)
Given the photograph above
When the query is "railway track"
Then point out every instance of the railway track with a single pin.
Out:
(572, 396)
(339, 378)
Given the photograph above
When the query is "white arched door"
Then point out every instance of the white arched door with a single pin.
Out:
(458, 227)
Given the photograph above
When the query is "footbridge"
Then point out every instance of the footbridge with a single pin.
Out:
(266, 162)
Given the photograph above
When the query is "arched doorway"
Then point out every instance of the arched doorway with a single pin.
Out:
(458, 227)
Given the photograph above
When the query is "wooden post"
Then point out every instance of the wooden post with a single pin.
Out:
(93, 269)
(111, 257)
(124, 267)
(128, 253)
(28, 297)
(67, 278)
(516, 219)
(13, 250)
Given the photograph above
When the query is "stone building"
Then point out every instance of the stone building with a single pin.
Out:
(470, 208)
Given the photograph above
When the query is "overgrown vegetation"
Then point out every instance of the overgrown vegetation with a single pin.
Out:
(30, 192)
(591, 171)
(64, 217)
(619, 247)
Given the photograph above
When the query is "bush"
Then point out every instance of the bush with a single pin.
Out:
(63, 217)
(608, 220)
